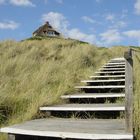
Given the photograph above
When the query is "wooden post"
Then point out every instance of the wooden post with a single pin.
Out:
(11, 137)
(129, 91)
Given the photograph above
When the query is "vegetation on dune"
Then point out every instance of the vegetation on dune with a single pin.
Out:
(34, 73)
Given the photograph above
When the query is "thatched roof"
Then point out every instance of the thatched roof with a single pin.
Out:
(45, 27)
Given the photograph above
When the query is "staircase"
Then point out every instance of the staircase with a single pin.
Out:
(96, 111)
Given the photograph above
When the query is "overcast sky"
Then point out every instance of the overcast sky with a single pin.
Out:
(100, 22)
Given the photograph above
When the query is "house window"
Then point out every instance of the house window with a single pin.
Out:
(51, 33)
(44, 32)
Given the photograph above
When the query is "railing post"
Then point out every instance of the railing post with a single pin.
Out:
(11, 137)
(129, 91)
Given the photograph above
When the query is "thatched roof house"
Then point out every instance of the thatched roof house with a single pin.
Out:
(46, 30)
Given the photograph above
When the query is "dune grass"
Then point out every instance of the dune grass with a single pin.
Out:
(34, 73)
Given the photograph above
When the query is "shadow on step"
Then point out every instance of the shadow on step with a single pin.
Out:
(103, 90)
(94, 100)
(24, 137)
(89, 115)
(106, 83)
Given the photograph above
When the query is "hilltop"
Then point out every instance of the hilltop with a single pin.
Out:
(37, 71)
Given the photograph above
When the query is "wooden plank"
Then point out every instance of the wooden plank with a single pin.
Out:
(109, 72)
(129, 92)
(72, 129)
(112, 69)
(101, 87)
(103, 81)
(85, 107)
(108, 76)
(93, 95)
(11, 137)
(119, 58)
(121, 63)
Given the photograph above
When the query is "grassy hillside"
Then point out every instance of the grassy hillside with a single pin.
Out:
(34, 73)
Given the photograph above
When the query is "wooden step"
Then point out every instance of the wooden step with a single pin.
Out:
(72, 129)
(108, 72)
(108, 69)
(108, 76)
(103, 81)
(119, 58)
(93, 95)
(121, 63)
(102, 87)
(84, 107)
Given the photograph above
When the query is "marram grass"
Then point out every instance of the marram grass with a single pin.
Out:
(34, 73)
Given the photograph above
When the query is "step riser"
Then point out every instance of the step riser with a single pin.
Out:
(110, 72)
(100, 87)
(101, 77)
(104, 82)
(112, 69)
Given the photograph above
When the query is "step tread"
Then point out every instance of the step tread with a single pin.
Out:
(93, 95)
(118, 58)
(100, 87)
(110, 80)
(107, 76)
(85, 107)
(118, 63)
(112, 69)
(72, 128)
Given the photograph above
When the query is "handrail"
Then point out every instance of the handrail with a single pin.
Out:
(128, 91)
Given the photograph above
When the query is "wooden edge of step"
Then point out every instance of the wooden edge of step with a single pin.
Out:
(100, 81)
(93, 95)
(84, 107)
(106, 76)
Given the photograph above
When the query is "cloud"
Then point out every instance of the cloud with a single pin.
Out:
(77, 34)
(45, 1)
(118, 24)
(59, 1)
(9, 25)
(22, 3)
(137, 7)
(124, 13)
(110, 17)
(59, 21)
(2, 1)
(132, 34)
(111, 36)
(98, 1)
(88, 19)
(116, 21)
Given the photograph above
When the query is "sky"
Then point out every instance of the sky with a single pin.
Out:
(101, 22)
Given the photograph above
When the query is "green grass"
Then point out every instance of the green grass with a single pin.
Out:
(34, 73)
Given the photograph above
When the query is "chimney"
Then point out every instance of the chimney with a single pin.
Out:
(47, 22)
